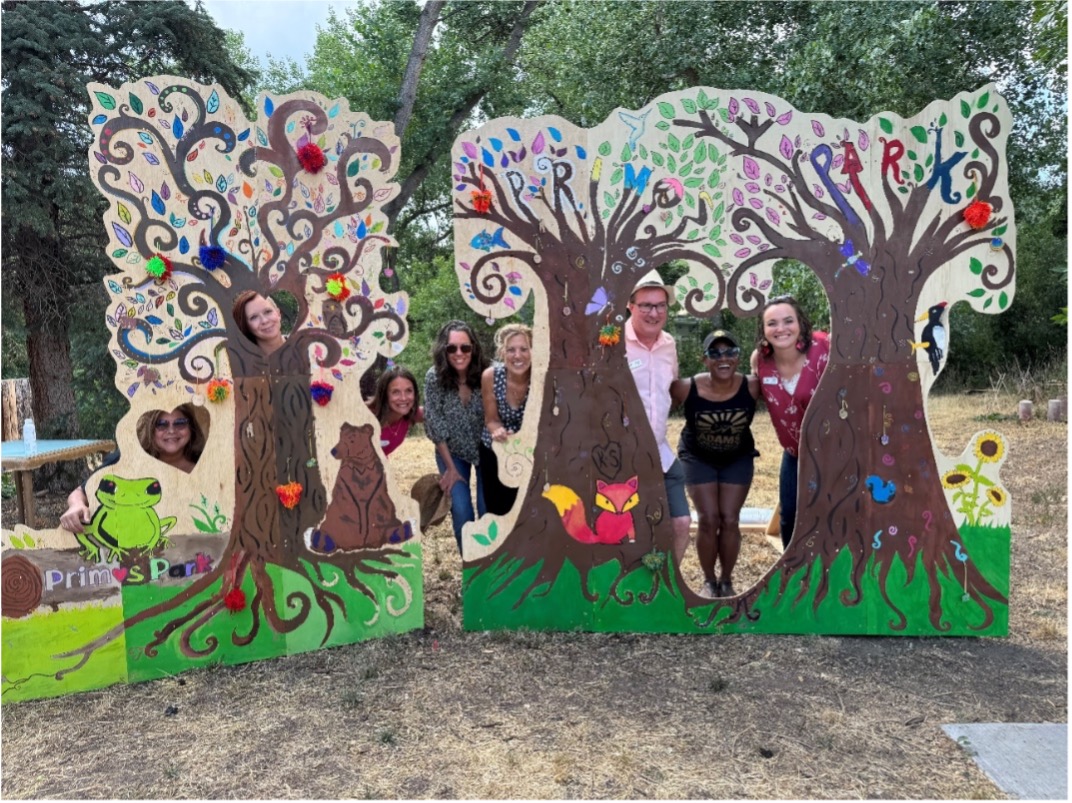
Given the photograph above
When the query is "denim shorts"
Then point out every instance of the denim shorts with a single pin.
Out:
(700, 472)
(675, 490)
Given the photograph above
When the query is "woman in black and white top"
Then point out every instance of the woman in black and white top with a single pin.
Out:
(505, 388)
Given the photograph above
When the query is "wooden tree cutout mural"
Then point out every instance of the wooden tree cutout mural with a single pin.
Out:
(897, 218)
(229, 206)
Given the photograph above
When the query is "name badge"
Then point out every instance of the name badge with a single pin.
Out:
(770, 380)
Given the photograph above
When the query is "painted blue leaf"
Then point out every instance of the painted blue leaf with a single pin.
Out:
(148, 140)
(338, 229)
(114, 287)
(581, 153)
(213, 102)
(139, 298)
(131, 389)
(514, 289)
(122, 234)
(100, 118)
(157, 202)
(152, 87)
(269, 107)
(221, 184)
(362, 230)
(495, 143)
(401, 306)
(151, 158)
(153, 320)
(459, 187)
(213, 317)
(184, 245)
(554, 132)
(243, 136)
(489, 160)
(177, 129)
(290, 130)
(261, 138)
(516, 137)
(504, 161)
(186, 331)
(333, 111)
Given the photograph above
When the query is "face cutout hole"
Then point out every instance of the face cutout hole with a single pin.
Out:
(288, 310)
(175, 437)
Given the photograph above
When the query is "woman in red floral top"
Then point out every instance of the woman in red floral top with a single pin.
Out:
(789, 360)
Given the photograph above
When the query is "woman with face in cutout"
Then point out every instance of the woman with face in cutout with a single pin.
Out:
(174, 438)
(718, 453)
(789, 360)
(454, 418)
(259, 319)
(396, 404)
(505, 387)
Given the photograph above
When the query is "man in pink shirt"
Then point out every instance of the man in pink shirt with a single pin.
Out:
(652, 355)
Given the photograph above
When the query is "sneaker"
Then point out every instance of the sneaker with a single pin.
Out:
(709, 590)
(725, 589)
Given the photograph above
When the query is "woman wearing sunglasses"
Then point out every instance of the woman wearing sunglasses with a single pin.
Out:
(173, 438)
(789, 360)
(454, 417)
(718, 453)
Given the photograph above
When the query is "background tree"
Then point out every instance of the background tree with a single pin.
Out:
(53, 255)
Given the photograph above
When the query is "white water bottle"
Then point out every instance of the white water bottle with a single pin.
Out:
(29, 436)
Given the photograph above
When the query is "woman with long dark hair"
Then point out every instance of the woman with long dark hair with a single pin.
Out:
(396, 403)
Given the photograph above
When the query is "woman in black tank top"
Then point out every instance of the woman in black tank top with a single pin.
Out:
(718, 453)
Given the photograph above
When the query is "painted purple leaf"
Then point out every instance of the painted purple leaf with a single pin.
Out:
(863, 141)
(779, 188)
(151, 158)
(769, 107)
(846, 188)
(538, 143)
(132, 388)
(470, 150)
(459, 187)
(755, 203)
(504, 161)
(785, 118)
(839, 160)
(100, 157)
(817, 127)
(817, 191)
(752, 105)
(366, 291)
(819, 216)
(767, 179)
(400, 307)
(774, 217)
(738, 197)
(752, 186)
(764, 247)
(465, 266)
(732, 107)
(233, 199)
(754, 239)
(213, 316)
(152, 87)
(785, 146)
(752, 279)
(122, 235)
(751, 167)
(763, 285)
(737, 238)
(796, 141)
(513, 276)
(302, 140)
(509, 302)
(741, 253)
(459, 167)
(135, 183)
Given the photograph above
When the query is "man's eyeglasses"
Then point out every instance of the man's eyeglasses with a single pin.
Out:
(650, 308)
(718, 354)
(454, 348)
(178, 423)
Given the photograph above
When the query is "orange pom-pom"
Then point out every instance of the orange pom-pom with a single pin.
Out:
(978, 214)
(482, 201)
(218, 390)
(610, 335)
(289, 494)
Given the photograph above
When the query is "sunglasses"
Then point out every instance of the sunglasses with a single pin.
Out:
(453, 348)
(178, 423)
(718, 354)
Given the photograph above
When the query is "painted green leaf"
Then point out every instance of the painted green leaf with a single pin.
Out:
(701, 99)
(643, 152)
(710, 249)
(919, 132)
(608, 200)
(978, 292)
(106, 100)
(686, 143)
(712, 152)
(712, 180)
(627, 153)
(975, 154)
(918, 173)
(976, 266)
(929, 162)
(700, 153)
(692, 281)
(17, 542)
(353, 168)
(943, 119)
(690, 200)
(685, 170)
(674, 143)
(688, 105)
(912, 155)
(965, 109)
(135, 103)
(616, 176)
(1003, 300)
(971, 190)
(377, 226)
(483, 540)
(275, 171)
(692, 235)
(983, 100)
(657, 158)
(716, 232)
(493, 530)
(666, 110)
(662, 125)
(119, 252)
(604, 148)
(999, 231)
(693, 182)
(988, 302)
(724, 113)
(885, 125)
(671, 163)
(903, 190)
(958, 138)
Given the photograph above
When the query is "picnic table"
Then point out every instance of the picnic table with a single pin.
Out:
(14, 457)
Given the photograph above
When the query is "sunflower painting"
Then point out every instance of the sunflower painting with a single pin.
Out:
(972, 485)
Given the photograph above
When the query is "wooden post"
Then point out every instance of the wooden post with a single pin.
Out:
(1027, 408)
(1055, 410)
(17, 406)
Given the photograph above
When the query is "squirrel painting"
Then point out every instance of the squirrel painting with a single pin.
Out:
(614, 522)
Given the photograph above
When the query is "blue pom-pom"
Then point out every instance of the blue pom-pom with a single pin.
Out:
(212, 256)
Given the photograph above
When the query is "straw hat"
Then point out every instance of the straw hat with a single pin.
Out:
(653, 279)
(433, 502)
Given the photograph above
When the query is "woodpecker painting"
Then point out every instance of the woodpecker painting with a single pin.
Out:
(933, 340)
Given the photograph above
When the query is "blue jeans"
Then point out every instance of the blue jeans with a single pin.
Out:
(787, 496)
(461, 498)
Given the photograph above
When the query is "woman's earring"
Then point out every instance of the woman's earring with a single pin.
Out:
(800, 344)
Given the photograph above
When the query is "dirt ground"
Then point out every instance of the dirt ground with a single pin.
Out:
(447, 714)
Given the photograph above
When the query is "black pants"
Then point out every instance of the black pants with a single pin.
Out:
(498, 498)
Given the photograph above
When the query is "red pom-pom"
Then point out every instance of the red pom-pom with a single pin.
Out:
(234, 600)
(321, 392)
(482, 201)
(978, 214)
(289, 494)
(337, 287)
(311, 157)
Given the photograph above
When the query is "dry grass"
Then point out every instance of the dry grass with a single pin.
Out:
(448, 714)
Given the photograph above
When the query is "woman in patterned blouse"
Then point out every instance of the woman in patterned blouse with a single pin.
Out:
(789, 360)
(505, 388)
(454, 417)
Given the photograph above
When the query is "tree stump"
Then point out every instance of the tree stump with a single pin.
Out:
(1027, 408)
(1055, 410)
